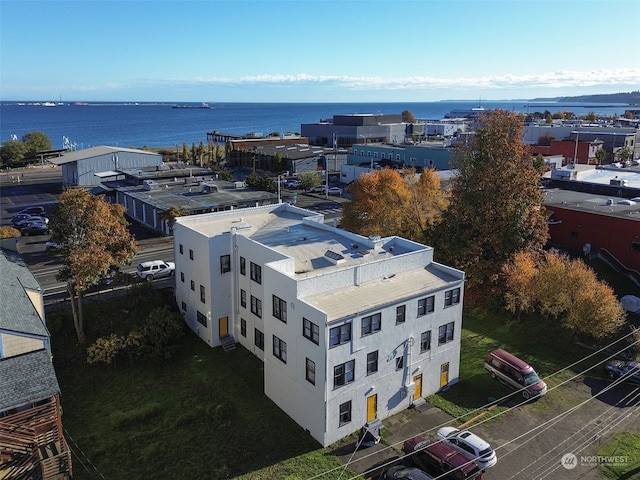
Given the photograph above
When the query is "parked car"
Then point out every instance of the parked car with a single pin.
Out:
(18, 217)
(514, 373)
(469, 443)
(31, 219)
(629, 369)
(295, 184)
(438, 458)
(35, 229)
(409, 473)
(335, 191)
(155, 269)
(55, 246)
(318, 189)
(39, 210)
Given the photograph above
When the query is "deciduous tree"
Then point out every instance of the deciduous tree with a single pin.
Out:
(496, 204)
(98, 243)
(562, 289)
(36, 142)
(408, 117)
(171, 214)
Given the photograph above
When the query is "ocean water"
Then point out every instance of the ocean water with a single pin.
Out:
(159, 125)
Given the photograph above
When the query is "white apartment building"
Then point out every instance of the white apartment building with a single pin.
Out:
(350, 328)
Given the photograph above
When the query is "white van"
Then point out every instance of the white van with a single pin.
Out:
(155, 269)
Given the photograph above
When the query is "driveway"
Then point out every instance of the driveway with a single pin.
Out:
(530, 440)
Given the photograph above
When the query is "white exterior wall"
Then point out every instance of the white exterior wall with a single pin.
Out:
(315, 407)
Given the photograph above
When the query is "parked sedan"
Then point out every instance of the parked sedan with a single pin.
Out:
(335, 191)
(630, 370)
(30, 219)
(469, 444)
(18, 217)
(318, 189)
(35, 229)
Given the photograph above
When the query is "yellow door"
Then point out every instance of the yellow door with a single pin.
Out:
(417, 380)
(444, 374)
(223, 326)
(372, 407)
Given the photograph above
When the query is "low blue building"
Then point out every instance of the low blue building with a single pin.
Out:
(419, 156)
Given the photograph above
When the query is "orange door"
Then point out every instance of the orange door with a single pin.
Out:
(223, 326)
(444, 374)
(372, 407)
(417, 380)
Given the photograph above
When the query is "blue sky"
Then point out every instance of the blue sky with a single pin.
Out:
(316, 51)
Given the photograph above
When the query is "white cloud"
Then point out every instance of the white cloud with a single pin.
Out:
(556, 79)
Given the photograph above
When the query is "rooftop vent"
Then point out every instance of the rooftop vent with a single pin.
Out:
(334, 257)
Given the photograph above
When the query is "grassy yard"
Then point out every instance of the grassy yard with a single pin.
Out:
(623, 451)
(203, 414)
(200, 415)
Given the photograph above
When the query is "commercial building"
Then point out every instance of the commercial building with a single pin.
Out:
(350, 329)
(89, 167)
(32, 444)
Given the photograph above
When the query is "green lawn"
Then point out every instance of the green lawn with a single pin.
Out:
(622, 454)
(201, 415)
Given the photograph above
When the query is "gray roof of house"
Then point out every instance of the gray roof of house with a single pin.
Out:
(77, 155)
(18, 313)
(26, 378)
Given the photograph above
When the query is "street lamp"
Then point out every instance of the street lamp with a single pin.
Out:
(177, 153)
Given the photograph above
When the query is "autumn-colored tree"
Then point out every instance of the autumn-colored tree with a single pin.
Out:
(387, 203)
(98, 243)
(427, 204)
(9, 232)
(496, 204)
(545, 139)
(591, 117)
(377, 203)
(408, 117)
(562, 289)
(309, 179)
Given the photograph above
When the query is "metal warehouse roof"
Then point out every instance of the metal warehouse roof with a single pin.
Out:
(77, 155)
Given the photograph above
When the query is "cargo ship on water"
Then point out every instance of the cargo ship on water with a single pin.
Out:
(203, 105)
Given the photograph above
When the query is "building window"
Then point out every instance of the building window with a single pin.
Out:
(279, 349)
(371, 324)
(451, 297)
(340, 335)
(426, 305)
(382, 156)
(445, 333)
(372, 362)
(311, 331)
(202, 297)
(243, 298)
(193, 285)
(259, 339)
(184, 306)
(256, 273)
(399, 362)
(397, 157)
(182, 277)
(225, 263)
(280, 309)
(368, 154)
(425, 341)
(413, 160)
(201, 319)
(311, 372)
(243, 266)
(401, 311)
(256, 306)
(375, 154)
(181, 249)
(345, 413)
(343, 373)
(190, 254)
(243, 327)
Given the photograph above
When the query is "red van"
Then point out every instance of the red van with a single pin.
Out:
(514, 373)
(438, 458)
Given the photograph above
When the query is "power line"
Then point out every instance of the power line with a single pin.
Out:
(482, 408)
(67, 435)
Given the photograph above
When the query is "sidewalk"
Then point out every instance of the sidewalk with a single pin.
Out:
(372, 461)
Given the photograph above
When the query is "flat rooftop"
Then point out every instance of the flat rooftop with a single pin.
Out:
(593, 203)
(301, 235)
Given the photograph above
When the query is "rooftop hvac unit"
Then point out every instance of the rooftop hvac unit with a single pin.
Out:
(150, 185)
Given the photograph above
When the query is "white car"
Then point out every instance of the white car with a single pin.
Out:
(155, 269)
(335, 191)
(318, 189)
(470, 445)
